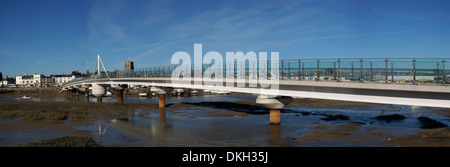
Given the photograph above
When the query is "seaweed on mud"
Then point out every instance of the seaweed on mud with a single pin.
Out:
(37, 111)
(428, 123)
(390, 117)
(305, 113)
(63, 141)
(335, 117)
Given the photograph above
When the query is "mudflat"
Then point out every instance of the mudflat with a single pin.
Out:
(241, 123)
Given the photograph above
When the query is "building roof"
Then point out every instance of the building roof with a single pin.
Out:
(63, 76)
(27, 77)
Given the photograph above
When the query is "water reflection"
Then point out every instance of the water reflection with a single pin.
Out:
(150, 129)
(203, 124)
(162, 127)
(162, 117)
(98, 127)
(275, 135)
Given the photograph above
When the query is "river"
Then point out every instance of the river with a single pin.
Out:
(196, 121)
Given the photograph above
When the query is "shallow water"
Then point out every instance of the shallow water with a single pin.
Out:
(55, 97)
(29, 131)
(197, 125)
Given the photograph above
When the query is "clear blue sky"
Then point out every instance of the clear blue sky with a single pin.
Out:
(55, 37)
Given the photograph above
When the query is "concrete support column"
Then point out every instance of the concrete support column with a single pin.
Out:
(119, 93)
(275, 117)
(162, 96)
(99, 90)
(99, 99)
(78, 96)
(162, 100)
(86, 94)
(274, 105)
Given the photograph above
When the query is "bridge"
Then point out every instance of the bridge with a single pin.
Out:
(416, 82)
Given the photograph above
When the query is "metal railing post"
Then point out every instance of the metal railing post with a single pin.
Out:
(318, 70)
(299, 69)
(414, 71)
(386, 70)
(444, 76)
(361, 76)
(339, 69)
(282, 69)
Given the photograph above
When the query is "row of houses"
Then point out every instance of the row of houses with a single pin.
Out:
(37, 80)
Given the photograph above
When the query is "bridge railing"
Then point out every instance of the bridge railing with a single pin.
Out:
(398, 70)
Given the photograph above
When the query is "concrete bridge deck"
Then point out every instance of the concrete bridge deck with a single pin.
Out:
(371, 92)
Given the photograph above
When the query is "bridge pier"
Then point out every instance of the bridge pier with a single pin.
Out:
(77, 91)
(86, 91)
(119, 93)
(274, 105)
(86, 95)
(161, 94)
(274, 117)
(70, 90)
(162, 101)
(77, 94)
(99, 90)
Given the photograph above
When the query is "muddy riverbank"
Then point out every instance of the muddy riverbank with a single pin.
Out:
(305, 122)
(31, 90)
(47, 111)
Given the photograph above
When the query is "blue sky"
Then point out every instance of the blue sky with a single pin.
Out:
(55, 37)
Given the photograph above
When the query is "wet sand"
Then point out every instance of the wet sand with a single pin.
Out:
(306, 122)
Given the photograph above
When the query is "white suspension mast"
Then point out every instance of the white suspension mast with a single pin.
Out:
(97, 65)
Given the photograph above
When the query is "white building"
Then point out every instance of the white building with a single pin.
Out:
(18, 80)
(62, 79)
(37, 79)
(25, 81)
